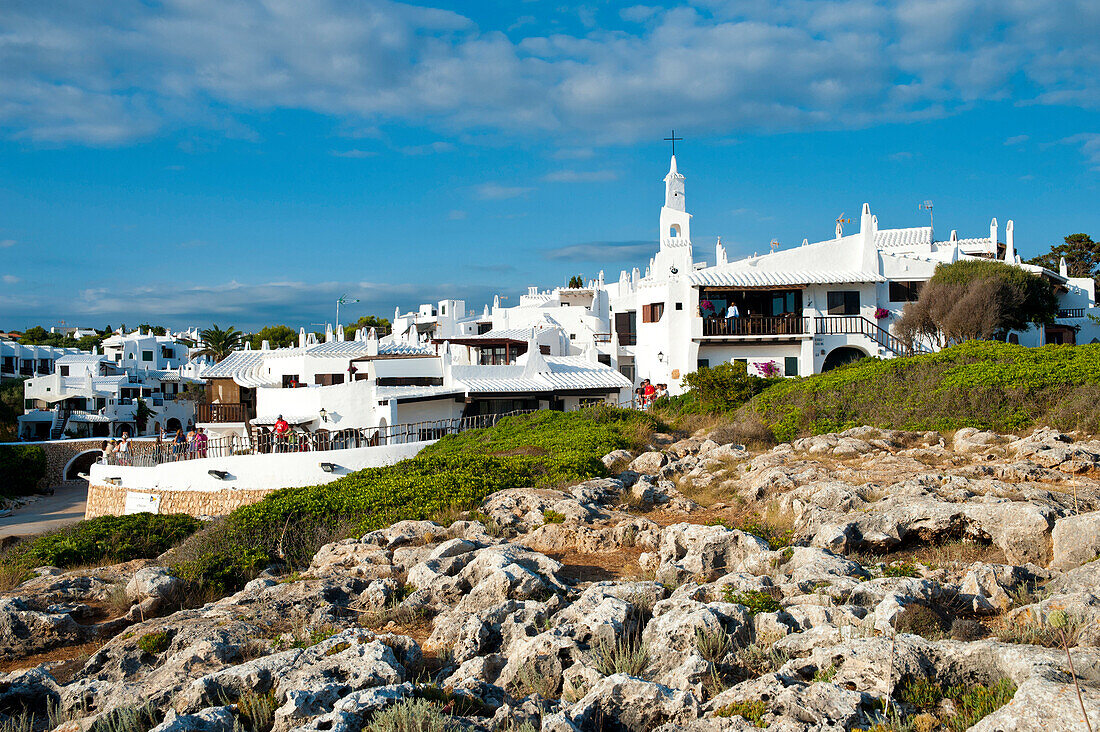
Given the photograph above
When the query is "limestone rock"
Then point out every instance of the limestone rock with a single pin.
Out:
(1076, 540)
(649, 463)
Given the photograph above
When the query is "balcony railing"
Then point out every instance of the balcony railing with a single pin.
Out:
(756, 325)
(1071, 313)
(220, 413)
(298, 440)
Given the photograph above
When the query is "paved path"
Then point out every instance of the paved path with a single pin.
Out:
(65, 506)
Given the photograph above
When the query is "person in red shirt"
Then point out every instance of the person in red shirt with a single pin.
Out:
(648, 392)
(281, 430)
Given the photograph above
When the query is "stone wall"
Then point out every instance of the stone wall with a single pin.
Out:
(60, 452)
(104, 500)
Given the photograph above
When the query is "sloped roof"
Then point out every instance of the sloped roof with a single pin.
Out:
(753, 277)
(885, 238)
(414, 392)
(233, 364)
(558, 374)
(75, 358)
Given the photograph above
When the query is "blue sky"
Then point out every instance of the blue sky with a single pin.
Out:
(193, 161)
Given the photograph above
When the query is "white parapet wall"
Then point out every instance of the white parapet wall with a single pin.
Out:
(215, 486)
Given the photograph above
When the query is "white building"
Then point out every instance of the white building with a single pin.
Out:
(799, 311)
(18, 361)
(368, 383)
(97, 395)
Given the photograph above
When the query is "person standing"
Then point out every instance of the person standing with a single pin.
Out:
(281, 430)
(200, 442)
(109, 452)
(648, 392)
(179, 445)
(123, 449)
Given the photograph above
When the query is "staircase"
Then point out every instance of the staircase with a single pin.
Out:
(60, 419)
(857, 324)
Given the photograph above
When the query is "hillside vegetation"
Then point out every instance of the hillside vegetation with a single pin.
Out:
(537, 450)
(984, 384)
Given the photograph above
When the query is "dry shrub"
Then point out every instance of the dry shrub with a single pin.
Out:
(748, 429)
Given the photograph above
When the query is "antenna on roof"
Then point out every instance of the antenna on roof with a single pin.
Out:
(775, 245)
(840, 221)
(926, 206)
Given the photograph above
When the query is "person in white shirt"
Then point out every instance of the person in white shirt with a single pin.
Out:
(732, 311)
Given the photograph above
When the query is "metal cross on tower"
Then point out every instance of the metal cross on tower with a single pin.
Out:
(673, 140)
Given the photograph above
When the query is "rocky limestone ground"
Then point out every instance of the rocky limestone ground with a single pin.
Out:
(838, 582)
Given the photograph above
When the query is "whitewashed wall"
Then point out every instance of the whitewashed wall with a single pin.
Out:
(255, 472)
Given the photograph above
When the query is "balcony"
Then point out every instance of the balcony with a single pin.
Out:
(1071, 313)
(756, 325)
(220, 413)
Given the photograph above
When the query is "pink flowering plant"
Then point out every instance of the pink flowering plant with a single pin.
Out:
(881, 313)
(768, 369)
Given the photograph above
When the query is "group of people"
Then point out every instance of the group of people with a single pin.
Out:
(117, 452)
(649, 392)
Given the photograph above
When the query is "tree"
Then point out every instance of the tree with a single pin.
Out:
(218, 343)
(279, 336)
(154, 329)
(576, 282)
(381, 325)
(1082, 256)
(725, 386)
(142, 415)
(976, 299)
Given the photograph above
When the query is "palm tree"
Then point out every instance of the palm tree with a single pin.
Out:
(218, 343)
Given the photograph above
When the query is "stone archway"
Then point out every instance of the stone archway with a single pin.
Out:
(80, 463)
(171, 426)
(841, 357)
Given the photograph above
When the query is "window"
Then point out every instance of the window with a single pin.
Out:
(843, 302)
(604, 358)
(443, 309)
(790, 366)
(146, 355)
(572, 336)
(652, 313)
(679, 306)
(290, 381)
(905, 291)
(674, 231)
(483, 328)
(703, 363)
(1014, 339)
(328, 379)
(64, 370)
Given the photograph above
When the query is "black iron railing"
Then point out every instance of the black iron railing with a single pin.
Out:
(754, 325)
(265, 442)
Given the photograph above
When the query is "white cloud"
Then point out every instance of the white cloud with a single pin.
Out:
(603, 251)
(434, 147)
(1089, 144)
(353, 153)
(10, 279)
(5, 243)
(579, 176)
(900, 156)
(498, 192)
(1017, 139)
(110, 73)
(251, 304)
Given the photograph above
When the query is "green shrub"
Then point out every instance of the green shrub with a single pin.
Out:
(972, 703)
(542, 449)
(257, 711)
(900, 569)
(411, 715)
(753, 711)
(553, 517)
(22, 466)
(155, 643)
(107, 538)
(983, 384)
(627, 654)
(723, 387)
(755, 600)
